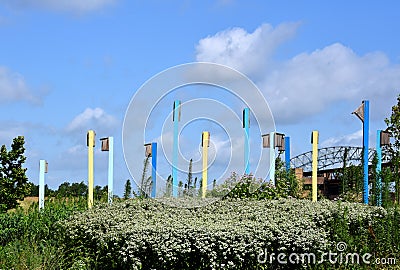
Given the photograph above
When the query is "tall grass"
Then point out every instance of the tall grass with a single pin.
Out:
(28, 237)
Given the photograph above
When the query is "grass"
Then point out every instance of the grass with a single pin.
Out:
(30, 239)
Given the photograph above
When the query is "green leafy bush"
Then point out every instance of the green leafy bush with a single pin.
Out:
(228, 234)
(247, 186)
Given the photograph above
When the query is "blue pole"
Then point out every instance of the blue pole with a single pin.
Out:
(177, 103)
(110, 169)
(246, 123)
(154, 169)
(379, 167)
(272, 158)
(365, 145)
(42, 166)
(287, 153)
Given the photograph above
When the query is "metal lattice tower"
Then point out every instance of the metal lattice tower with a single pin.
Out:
(333, 157)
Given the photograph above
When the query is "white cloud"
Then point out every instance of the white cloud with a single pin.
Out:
(246, 52)
(13, 87)
(79, 148)
(309, 83)
(353, 139)
(96, 119)
(75, 6)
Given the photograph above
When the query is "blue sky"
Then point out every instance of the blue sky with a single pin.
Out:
(68, 66)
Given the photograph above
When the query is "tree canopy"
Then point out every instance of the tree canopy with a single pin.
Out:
(13, 181)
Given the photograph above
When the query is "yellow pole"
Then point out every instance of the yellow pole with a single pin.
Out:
(90, 143)
(205, 143)
(314, 164)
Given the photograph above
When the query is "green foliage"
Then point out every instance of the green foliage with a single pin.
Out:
(373, 179)
(189, 186)
(128, 189)
(286, 180)
(388, 200)
(36, 225)
(13, 181)
(72, 190)
(168, 187)
(393, 126)
(247, 186)
(29, 239)
(351, 179)
(24, 254)
(228, 234)
(101, 193)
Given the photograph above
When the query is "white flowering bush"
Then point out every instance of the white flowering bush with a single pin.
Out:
(227, 234)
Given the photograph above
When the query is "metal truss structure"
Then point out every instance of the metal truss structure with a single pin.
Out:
(334, 157)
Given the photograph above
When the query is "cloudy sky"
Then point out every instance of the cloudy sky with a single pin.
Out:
(69, 66)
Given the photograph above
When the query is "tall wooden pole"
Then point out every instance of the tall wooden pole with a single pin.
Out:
(90, 144)
(314, 164)
(154, 169)
(175, 119)
(379, 167)
(205, 144)
(42, 171)
(110, 169)
(246, 126)
(287, 153)
(365, 145)
(272, 158)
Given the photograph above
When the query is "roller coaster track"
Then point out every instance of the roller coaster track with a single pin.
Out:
(333, 158)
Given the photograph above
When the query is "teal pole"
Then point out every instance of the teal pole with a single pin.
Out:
(272, 158)
(287, 153)
(246, 124)
(110, 169)
(42, 169)
(154, 169)
(365, 144)
(379, 167)
(175, 119)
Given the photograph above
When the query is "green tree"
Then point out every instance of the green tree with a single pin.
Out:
(286, 180)
(64, 190)
(101, 193)
(67, 189)
(128, 189)
(34, 190)
(387, 200)
(79, 189)
(47, 191)
(14, 184)
(168, 187)
(180, 189)
(247, 186)
(376, 190)
(188, 185)
(393, 126)
(200, 188)
(194, 186)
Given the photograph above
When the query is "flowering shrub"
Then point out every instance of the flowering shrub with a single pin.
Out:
(247, 186)
(228, 234)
